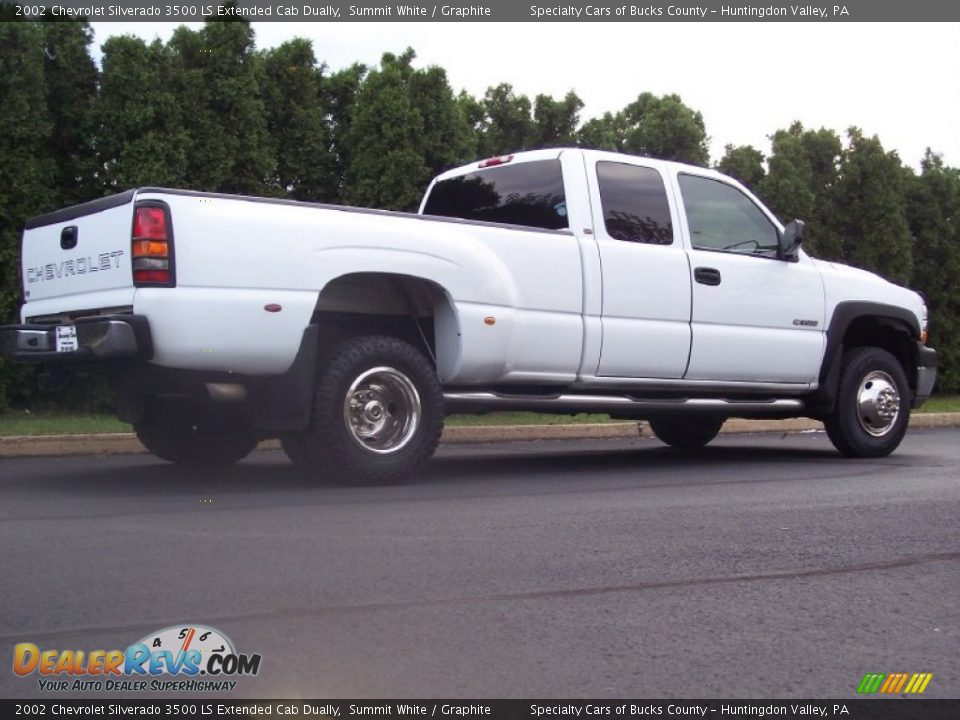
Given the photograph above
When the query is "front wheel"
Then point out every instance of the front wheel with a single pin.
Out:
(686, 432)
(377, 414)
(873, 404)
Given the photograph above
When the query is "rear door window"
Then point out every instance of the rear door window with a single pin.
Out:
(634, 200)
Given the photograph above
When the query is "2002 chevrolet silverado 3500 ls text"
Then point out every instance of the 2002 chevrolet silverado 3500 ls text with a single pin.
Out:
(556, 280)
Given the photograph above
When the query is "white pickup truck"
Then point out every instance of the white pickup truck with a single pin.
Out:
(559, 280)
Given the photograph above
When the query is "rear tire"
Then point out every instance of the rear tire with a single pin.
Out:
(195, 435)
(873, 404)
(377, 414)
(686, 432)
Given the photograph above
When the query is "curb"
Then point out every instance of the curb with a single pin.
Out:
(127, 443)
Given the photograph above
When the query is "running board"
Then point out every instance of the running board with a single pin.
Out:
(617, 404)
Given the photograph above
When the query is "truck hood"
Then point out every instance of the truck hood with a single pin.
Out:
(844, 283)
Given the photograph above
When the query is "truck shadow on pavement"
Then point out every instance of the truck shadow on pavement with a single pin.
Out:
(534, 468)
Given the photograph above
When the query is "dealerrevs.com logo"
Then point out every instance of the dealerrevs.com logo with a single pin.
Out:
(181, 658)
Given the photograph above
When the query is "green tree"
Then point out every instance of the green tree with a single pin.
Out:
(297, 121)
(663, 127)
(743, 162)
(447, 140)
(407, 126)
(472, 112)
(822, 149)
(27, 172)
(801, 183)
(71, 77)
(507, 122)
(933, 212)
(217, 83)
(386, 168)
(142, 137)
(870, 213)
(608, 132)
(340, 91)
(555, 121)
(660, 127)
(788, 185)
(507, 125)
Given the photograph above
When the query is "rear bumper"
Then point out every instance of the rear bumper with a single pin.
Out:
(926, 374)
(104, 337)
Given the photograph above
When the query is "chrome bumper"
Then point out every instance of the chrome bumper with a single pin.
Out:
(97, 338)
(926, 374)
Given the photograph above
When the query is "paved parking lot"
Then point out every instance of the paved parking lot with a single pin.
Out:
(765, 566)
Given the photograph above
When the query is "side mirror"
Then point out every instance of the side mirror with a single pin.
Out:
(789, 247)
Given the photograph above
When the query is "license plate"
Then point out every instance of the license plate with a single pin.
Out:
(67, 338)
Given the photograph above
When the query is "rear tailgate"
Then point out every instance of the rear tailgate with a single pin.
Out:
(78, 259)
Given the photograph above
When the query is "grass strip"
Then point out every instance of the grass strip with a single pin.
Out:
(21, 422)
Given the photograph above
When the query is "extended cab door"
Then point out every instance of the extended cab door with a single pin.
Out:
(646, 279)
(755, 318)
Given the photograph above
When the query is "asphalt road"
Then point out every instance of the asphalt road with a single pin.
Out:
(766, 566)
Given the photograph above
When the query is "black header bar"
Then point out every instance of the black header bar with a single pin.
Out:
(639, 11)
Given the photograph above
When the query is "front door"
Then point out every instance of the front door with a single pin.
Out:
(755, 318)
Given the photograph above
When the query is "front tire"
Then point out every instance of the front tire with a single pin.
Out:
(686, 432)
(377, 414)
(873, 404)
(195, 435)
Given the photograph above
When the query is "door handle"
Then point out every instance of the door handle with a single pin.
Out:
(707, 276)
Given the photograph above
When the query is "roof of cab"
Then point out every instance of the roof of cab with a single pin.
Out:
(553, 153)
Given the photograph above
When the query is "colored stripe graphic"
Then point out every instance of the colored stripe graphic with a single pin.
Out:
(915, 681)
(900, 683)
(894, 683)
(890, 682)
(870, 683)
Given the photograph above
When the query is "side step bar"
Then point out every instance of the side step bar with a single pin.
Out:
(617, 404)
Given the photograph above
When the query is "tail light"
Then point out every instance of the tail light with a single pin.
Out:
(152, 246)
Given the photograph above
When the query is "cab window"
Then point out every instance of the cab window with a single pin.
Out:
(720, 217)
(528, 193)
(634, 200)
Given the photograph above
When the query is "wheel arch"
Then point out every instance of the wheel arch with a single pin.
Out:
(413, 308)
(862, 324)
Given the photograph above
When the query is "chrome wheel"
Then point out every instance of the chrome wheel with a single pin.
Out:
(878, 403)
(382, 410)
